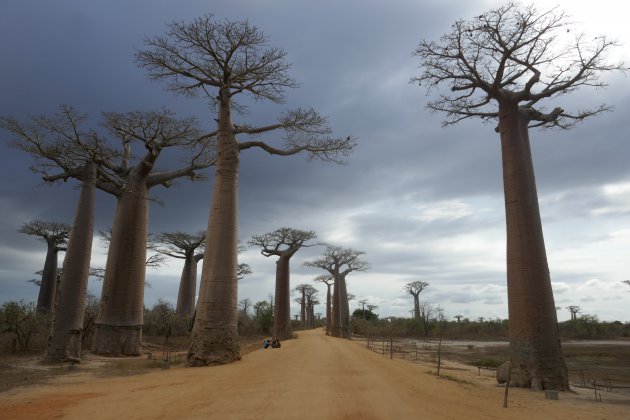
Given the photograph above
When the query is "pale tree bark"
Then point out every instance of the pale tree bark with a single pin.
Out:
(533, 332)
(183, 246)
(283, 243)
(119, 326)
(519, 58)
(302, 289)
(65, 340)
(328, 280)
(222, 60)
(56, 236)
(188, 286)
(339, 262)
(311, 301)
(414, 289)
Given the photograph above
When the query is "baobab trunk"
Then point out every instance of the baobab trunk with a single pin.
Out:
(416, 307)
(282, 315)
(46, 297)
(534, 341)
(119, 325)
(214, 337)
(65, 340)
(344, 312)
(187, 287)
(335, 325)
(328, 309)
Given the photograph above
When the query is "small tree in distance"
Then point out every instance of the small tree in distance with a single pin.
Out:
(414, 289)
(56, 236)
(339, 262)
(505, 65)
(328, 280)
(183, 246)
(283, 243)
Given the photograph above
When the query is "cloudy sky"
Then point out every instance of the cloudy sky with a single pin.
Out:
(423, 202)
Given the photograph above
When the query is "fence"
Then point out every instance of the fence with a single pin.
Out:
(427, 351)
(166, 356)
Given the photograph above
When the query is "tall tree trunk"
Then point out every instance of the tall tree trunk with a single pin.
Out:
(119, 326)
(65, 340)
(344, 309)
(336, 309)
(187, 287)
(303, 310)
(282, 315)
(214, 338)
(328, 309)
(416, 307)
(534, 341)
(46, 298)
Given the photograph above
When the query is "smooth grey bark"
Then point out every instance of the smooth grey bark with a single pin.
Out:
(188, 285)
(119, 325)
(536, 355)
(214, 337)
(64, 343)
(282, 310)
(46, 296)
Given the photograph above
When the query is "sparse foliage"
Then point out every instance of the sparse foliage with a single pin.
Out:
(283, 243)
(56, 236)
(339, 262)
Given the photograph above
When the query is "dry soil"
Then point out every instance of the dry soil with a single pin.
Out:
(312, 377)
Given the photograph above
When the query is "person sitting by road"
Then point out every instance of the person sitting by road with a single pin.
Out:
(275, 343)
(266, 343)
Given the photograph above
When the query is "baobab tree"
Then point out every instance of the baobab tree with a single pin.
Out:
(506, 64)
(189, 248)
(302, 290)
(311, 300)
(61, 149)
(283, 243)
(66, 337)
(573, 310)
(56, 237)
(119, 327)
(414, 288)
(328, 280)
(362, 302)
(224, 61)
(60, 143)
(339, 262)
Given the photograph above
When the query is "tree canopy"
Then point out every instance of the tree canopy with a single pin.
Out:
(514, 53)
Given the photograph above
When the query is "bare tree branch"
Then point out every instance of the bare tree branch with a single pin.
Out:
(514, 53)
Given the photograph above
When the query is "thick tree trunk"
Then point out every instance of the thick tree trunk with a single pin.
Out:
(344, 309)
(64, 343)
(214, 338)
(303, 310)
(416, 307)
(119, 326)
(534, 341)
(46, 298)
(187, 287)
(282, 315)
(328, 309)
(335, 325)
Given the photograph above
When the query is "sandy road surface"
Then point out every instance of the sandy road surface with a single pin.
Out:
(313, 377)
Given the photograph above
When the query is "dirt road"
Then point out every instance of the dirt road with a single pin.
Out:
(313, 377)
